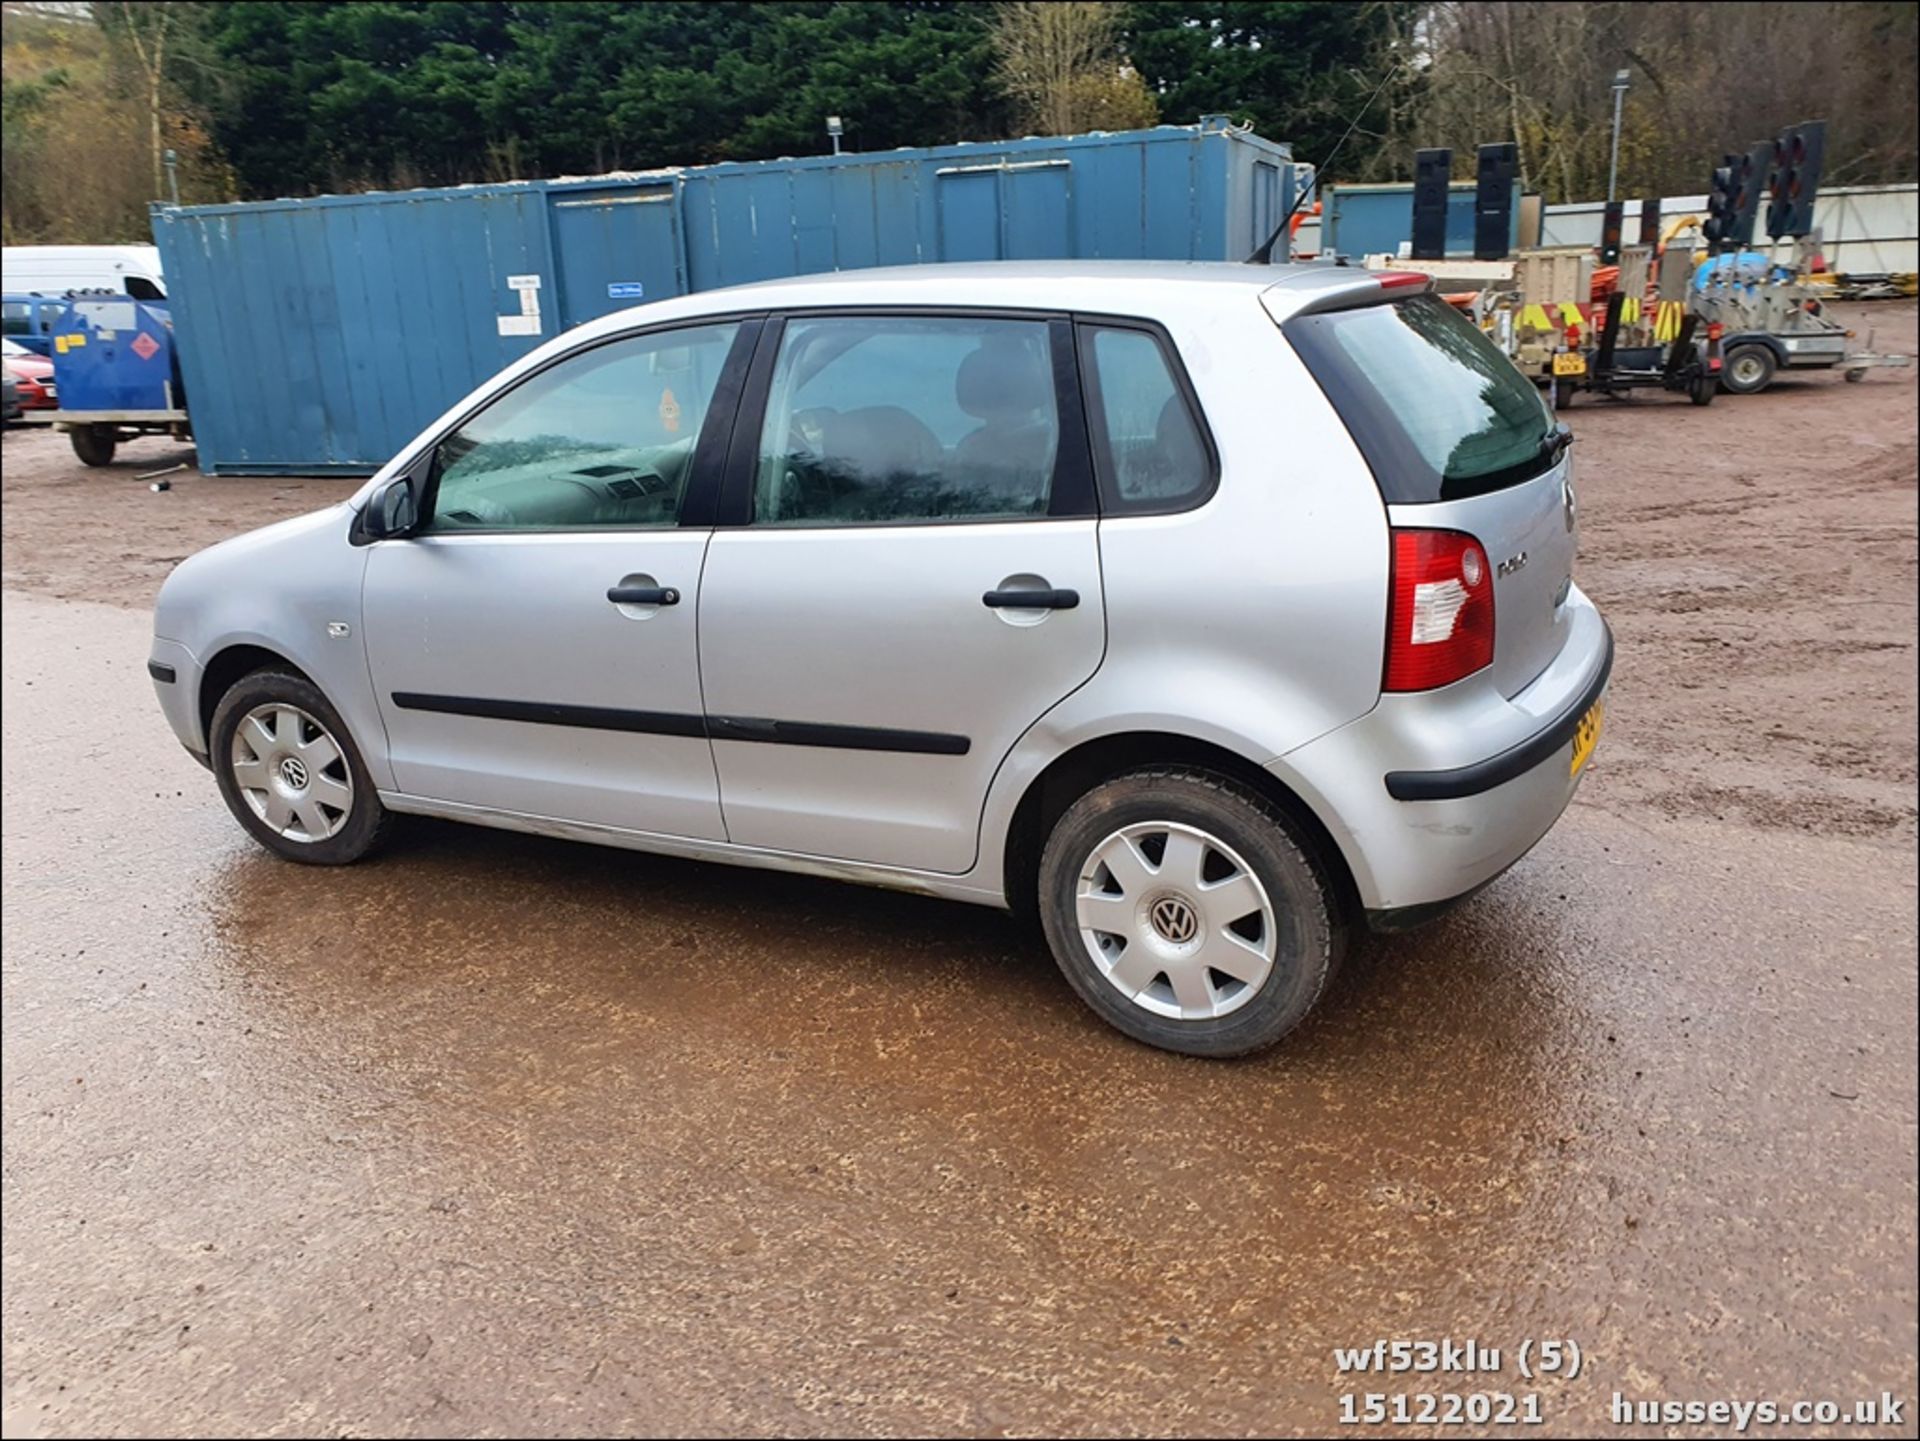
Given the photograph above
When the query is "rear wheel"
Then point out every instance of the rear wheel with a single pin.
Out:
(1187, 911)
(94, 444)
(1703, 388)
(291, 774)
(1748, 369)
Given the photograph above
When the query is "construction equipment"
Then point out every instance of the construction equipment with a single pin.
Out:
(1774, 318)
(1770, 312)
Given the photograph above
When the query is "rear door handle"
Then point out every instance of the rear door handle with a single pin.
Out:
(644, 595)
(1031, 599)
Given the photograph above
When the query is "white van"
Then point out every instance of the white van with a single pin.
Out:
(55, 269)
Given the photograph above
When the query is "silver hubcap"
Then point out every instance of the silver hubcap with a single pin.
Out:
(292, 772)
(1746, 370)
(1176, 921)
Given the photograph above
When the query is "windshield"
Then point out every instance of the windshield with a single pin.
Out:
(1434, 406)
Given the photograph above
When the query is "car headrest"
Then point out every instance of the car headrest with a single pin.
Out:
(1006, 378)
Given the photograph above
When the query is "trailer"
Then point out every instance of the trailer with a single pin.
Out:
(1773, 317)
(116, 374)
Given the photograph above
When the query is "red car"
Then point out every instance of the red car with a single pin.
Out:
(33, 374)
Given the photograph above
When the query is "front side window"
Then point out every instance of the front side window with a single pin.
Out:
(1152, 456)
(19, 318)
(604, 438)
(877, 419)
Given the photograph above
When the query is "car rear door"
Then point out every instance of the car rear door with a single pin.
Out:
(911, 580)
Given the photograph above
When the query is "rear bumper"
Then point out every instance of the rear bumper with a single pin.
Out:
(1431, 796)
(1512, 763)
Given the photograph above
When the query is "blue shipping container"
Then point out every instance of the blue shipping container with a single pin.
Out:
(320, 335)
(1359, 220)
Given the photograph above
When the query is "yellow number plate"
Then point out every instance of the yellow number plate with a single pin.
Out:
(1569, 362)
(1586, 735)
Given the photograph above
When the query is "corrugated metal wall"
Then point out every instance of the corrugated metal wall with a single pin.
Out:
(320, 335)
(1867, 229)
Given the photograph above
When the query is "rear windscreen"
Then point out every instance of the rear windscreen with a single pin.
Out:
(1434, 406)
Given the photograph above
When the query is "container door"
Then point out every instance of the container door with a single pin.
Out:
(1037, 223)
(918, 583)
(969, 214)
(617, 248)
(1007, 212)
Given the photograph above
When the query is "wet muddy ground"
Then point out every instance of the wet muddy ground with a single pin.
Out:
(503, 1135)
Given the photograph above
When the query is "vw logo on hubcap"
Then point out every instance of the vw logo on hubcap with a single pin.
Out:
(294, 772)
(1174, 919)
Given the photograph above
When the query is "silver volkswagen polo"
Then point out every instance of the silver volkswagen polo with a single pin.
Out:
(1205, 611)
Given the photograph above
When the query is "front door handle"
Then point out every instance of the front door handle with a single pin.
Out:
(643, 595)
(1031, 599)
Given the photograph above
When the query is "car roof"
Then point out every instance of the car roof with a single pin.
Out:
(1123, 287)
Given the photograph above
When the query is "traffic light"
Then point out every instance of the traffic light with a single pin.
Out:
(1749, 184)
(1797, 155)
(1432, 170)
(1650, 222)
(1493, 200)
(1610, 220)
(1720, 205)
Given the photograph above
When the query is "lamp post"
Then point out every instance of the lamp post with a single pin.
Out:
(834, 131)
(1613, 165)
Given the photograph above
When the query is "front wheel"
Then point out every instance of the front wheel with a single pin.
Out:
(291, 774)
(1188, 912)
(1703, 388)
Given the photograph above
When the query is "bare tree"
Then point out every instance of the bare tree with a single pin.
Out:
(1706, 79)
(146, 26)
(1059, 61)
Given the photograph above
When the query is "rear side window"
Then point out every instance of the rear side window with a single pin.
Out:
(1437, 410)
(886, 419)
(1148, 446)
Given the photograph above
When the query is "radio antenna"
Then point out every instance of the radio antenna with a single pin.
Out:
(1264, 255)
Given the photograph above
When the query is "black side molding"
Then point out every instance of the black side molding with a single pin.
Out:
(674, 723)
(163, 673)
(1509, 764)
(586, 717)
(837, 737)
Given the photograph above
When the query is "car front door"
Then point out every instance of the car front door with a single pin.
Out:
(532, 643)
(911, 580)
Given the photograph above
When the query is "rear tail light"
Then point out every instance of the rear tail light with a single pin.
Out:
(1440, 614)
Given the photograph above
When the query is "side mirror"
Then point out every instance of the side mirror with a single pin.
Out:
(391, 512)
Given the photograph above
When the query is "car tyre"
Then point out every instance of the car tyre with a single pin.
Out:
(1747, 370)
(290, 772)
(1136, 922)
(94, 444)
